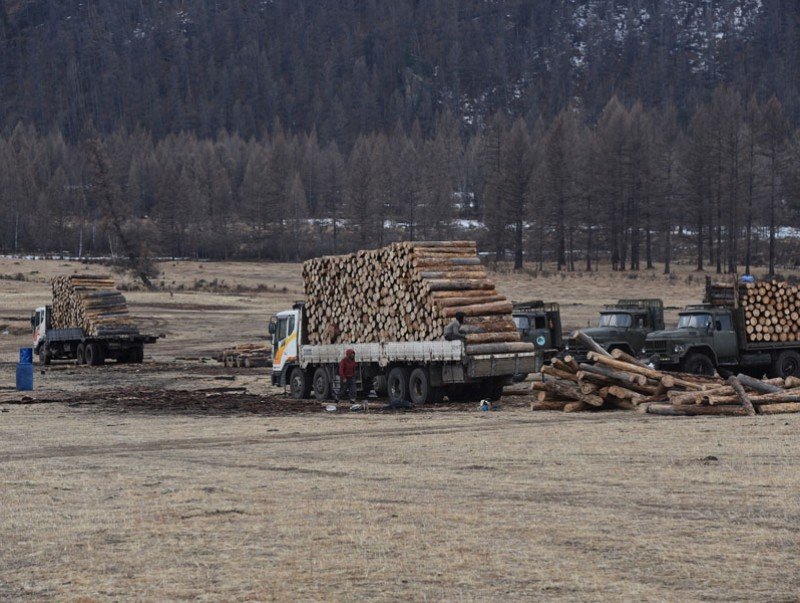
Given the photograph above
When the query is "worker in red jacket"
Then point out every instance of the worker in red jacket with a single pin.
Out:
(347, 375)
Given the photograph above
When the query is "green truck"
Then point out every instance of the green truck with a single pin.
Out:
(623, 326)
(539, 323)
(714, 335)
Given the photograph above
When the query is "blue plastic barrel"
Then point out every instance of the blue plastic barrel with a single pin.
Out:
(24, 377)
(26, 355)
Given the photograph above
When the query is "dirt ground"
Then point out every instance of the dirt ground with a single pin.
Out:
(181, 479)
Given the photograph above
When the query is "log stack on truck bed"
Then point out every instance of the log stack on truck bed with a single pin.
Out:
(408, 292)
(771, 308)
(91, 303)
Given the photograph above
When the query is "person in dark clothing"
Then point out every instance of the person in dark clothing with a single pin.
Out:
(453, 331)
(347, 375)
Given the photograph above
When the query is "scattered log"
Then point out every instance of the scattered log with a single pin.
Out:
(757, 385)
(740, 393)
(779, 408)
(590, 343)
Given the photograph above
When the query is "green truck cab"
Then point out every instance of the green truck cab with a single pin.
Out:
(710, 336)
(623, 326)
(539, 323)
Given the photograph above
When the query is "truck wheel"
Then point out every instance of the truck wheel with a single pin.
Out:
(397, 384)
(93, 354)
(419, 386)
(299, 385)
(80, 354)
(322, 385)
(787, 364)
(698, 364)
(44, 357)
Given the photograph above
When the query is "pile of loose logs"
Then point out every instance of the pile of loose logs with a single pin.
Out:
(618, 381)
(407, 292)
(91, 303)
(246, 355)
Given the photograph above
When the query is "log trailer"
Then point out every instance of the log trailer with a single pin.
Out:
(415, 371)
(74, 344)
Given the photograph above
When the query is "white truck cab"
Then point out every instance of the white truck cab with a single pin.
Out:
(285, 330)
(39, 320)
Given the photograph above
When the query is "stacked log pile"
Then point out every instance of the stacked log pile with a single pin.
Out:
(246, 355)
(407, 292)
(91, 303)
(771, 308)
(618, 381)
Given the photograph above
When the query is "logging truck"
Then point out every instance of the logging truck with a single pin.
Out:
(74, 343)
(623, 326)
(540, 324)
(750, 328)
(415, 371)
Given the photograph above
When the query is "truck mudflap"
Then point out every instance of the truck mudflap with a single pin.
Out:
(498, 365)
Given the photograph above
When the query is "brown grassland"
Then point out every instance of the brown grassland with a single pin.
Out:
(109, 491)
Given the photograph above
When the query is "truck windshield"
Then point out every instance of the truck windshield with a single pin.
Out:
(615, 320)
(522, 322)
(694, 321)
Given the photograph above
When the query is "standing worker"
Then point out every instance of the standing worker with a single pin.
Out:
(453, 331)
(347, 375)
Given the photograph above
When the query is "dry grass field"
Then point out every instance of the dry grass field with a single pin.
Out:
(107, 494)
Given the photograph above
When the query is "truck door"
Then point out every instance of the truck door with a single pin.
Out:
(725, 344)
(284, 347)
(38, 323)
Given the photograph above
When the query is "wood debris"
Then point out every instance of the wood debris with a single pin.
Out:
(617, 381)
(247, 355)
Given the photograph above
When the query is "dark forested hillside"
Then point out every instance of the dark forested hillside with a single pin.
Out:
(347, 67)
(573, 131)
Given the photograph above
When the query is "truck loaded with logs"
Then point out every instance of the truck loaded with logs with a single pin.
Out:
(747, 327)
(88, 322)
(391, 306)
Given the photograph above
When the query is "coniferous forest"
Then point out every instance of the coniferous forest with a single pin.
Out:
(578, 132)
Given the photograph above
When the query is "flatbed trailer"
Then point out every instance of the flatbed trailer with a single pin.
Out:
(74, 344)
(419, 371)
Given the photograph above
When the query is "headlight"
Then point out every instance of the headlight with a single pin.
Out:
(679, 349)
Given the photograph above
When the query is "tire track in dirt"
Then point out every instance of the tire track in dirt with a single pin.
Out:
(55, 452)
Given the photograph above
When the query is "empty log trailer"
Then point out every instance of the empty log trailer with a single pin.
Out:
(88, 322)
(391, 305)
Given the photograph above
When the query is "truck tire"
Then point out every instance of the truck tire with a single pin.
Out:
(321, 384)
(299, 384)
(698, 364)
(44, 356)
(786, 364)
(419, 386)
(80, 354)
(397, 384)
(93, 354)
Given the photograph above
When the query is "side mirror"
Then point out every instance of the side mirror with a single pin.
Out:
(33, 321)
(710, 328)
(272, 327)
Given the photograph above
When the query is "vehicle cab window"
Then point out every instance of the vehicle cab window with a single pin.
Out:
(615, 320)
(724, 322)
(522, 322)
(540, 322)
